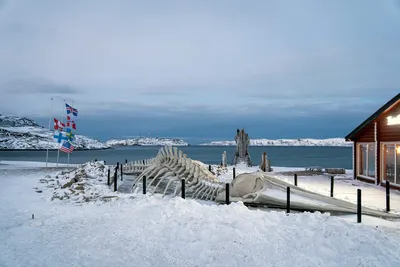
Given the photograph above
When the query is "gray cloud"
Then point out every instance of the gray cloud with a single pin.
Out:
(36, 86)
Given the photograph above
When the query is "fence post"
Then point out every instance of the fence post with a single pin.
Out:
(387, 196)
(121, 171)
(115, 180)
(144, 185)
(108, 177)
(183, 188)
(209, 167)
(332, 184)
(264, 161)
(117, 165)
(295, 179)
(126, 160)
(104, 162)
(95, 160)
(227, 201)
(288, 199)
(234, 172)
(358, 205)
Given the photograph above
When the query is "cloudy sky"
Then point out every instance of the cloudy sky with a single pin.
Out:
(200, 69)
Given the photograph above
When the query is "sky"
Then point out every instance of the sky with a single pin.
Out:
(199, 70)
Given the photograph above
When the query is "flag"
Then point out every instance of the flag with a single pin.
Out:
(72, 110)
(69, 134)
(59, 137)
(71, 123)
(67, 147)
(58, 125)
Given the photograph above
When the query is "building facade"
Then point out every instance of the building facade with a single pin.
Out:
(376, 146)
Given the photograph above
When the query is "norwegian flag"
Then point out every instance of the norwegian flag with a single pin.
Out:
(58, 125)
(71, 123)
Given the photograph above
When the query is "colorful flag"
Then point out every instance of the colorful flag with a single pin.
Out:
(59, 137)
(69, 134)
(67, 147)
(71, 123)
(58, 125)
(72, 110)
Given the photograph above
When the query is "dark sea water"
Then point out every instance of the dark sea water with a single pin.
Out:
(333, 157)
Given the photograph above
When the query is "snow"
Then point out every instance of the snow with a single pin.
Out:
(340, 142)
(143, 230)
(21, 133)
(148, 141)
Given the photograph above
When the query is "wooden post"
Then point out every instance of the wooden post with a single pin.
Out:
(295, 179)
(358, 205)
(115, 180)
(264, 160)
(227, 201)
(121, 171)
(288, 199)
(108, 177)
(144, 185)
(234, 172)
(387, 196)
(332, 184)
(183, 188)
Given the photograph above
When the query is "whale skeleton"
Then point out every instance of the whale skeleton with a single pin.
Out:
(164, 174)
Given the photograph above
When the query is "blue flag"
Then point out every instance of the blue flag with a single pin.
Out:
(60, 137)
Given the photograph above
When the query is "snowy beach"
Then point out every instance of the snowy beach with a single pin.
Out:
(145, 230)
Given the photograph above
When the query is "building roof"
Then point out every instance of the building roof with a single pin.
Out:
(373, 117)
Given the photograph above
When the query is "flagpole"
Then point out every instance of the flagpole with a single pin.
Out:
(58, 150)
(47, 150)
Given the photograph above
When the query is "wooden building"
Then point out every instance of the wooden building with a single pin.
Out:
(376, 146)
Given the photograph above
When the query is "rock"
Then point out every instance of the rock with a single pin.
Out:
(38, 191)
(42, 181)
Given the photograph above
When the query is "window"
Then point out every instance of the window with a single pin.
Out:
(391, 163)
(366, 165)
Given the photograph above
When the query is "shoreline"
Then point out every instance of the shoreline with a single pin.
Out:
(53, 149)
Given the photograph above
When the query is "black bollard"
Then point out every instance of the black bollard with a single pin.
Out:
(115, 180)
(288, 199)
(295, 179)
(121, 171)
(234, 172)
(126, 160)
(387, 196)
(209, 167)
(144, 185)
(143, 162)
(183, 188)
(332, 185)
(105, 163)
(33, 216)
(108, 177)
(117, 165)
(95, 160)
(227, 201)
(358, 205)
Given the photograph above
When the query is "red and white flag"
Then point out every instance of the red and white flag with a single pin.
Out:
(71, 123)
(58, 124)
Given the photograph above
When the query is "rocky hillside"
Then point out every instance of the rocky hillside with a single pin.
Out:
(148, 141)
(18, 133)
(287, 142)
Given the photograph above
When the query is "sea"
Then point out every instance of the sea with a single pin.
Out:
(282, 156)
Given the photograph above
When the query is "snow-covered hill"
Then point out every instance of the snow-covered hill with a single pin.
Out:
(148, 141)
(287, 142)
(17, 133)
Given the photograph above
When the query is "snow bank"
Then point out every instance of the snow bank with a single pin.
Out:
(286, 142)
(86, 183)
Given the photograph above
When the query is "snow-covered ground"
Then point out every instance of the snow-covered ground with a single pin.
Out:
(140, 230)
(286, 142)
(20, 133)
(147, 141)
